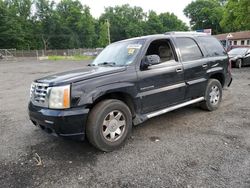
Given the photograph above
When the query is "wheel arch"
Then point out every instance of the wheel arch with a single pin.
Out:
(122, 96)
(218, 76)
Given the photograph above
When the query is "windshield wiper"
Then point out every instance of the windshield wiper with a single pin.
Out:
(107, 63)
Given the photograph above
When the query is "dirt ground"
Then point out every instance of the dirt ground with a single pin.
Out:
(185, 148)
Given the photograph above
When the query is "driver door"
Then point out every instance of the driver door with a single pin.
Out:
(161, 85)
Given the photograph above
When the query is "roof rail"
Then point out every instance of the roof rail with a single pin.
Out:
(185, 33)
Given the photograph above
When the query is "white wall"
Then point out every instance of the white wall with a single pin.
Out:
(239, 42)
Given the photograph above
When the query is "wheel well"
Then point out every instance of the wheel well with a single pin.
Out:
(126, 98)
(220, 77)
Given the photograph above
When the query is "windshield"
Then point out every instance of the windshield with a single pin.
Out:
(238, 51)
(119, 54)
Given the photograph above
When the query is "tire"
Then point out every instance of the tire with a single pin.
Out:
(109, 125)
(238, 63)
(213, 95)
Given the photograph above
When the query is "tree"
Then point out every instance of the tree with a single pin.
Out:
(46, 21)
(125, 21)
(77, 23)
(153, 25)
(69, 15)
(14, 23)
(22, 10)
(205, 14)
(87, 25)
(44, 24)
(103, 35)
(170, 22)
(236, 15)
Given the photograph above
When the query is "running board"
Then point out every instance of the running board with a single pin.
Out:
(157, 113)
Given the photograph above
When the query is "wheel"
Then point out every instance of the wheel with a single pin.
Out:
(213, 95)
(238, 63)
(109, 124)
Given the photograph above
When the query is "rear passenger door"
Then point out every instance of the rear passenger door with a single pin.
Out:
(195, 66)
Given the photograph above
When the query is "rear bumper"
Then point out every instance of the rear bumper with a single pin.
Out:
(66, 123)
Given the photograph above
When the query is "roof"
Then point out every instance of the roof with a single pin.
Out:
(168, 34)
(194, 33)
(234, 36)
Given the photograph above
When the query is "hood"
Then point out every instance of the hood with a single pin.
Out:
(235, 56)
(79, 75)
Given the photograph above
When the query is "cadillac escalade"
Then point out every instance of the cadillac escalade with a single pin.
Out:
(129, 82)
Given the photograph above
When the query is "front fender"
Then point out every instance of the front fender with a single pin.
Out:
(89, 97)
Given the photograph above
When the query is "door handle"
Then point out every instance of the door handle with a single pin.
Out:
(179, 70)
(204, 66)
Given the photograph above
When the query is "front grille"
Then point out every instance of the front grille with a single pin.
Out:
(39, 94)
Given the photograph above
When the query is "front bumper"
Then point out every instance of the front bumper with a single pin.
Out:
(67, 123)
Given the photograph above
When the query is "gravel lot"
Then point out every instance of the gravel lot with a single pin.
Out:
(185, 148)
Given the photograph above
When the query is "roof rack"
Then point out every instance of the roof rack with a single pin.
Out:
(185, 33)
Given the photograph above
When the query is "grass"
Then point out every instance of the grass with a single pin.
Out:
(74, 58)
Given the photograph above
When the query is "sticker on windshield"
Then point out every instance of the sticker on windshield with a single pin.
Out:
(132, 48)
(131, 51)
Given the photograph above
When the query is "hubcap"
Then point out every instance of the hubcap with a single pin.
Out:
(113, 126)
(214, 95)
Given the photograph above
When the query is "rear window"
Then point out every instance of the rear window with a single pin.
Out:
(213, 46)
(189, 49)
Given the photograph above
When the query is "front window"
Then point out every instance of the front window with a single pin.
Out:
(119, 54)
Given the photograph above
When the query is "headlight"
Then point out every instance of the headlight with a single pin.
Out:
(59, 97)
(32, 88)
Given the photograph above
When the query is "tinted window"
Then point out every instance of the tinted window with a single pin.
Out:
(213, 46)
(189, 49)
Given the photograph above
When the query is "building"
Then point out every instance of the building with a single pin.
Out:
(241, 38)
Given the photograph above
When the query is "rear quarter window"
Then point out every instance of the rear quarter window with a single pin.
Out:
(213, 46)
(189, 49)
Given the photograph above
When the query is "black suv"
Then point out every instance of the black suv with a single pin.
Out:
(129, 82)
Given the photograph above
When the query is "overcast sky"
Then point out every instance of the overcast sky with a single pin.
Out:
(174, 6)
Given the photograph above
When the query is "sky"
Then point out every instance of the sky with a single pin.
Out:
(173, 6)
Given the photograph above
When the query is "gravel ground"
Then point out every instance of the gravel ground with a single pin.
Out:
(185, 148)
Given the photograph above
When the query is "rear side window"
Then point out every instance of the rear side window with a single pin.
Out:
(189, 49)
(213, 46)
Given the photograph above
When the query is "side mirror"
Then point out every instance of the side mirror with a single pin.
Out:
(152, 60)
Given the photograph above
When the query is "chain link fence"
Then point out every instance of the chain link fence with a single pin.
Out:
(7, 54)
(64, 52)
(12, 54)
